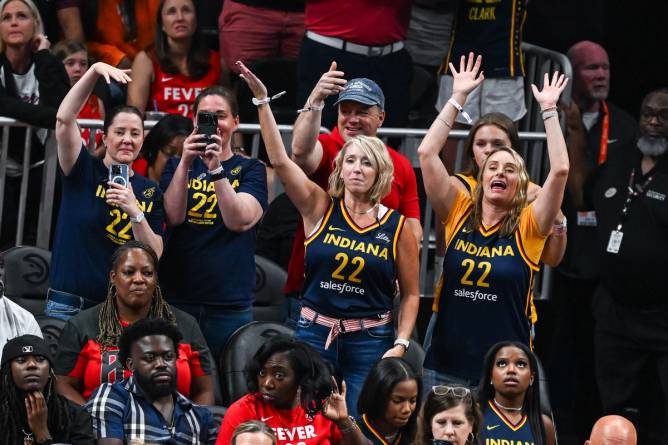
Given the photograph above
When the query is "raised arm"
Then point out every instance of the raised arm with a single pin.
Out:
(437, 184)
(546, 206)
(310, 200)
(67, 129)
(142, 76)
(306, 149)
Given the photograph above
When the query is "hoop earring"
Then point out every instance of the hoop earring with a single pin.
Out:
(111, 290)
(470, 438)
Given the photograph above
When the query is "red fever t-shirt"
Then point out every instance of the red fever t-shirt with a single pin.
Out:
(175, 93)
(291, 426)
(80, 355)
(403, 197)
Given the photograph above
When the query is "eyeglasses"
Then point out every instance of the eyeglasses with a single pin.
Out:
(457, 391)
(660, 115)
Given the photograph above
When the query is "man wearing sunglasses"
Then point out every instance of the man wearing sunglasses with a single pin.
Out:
(630, 196)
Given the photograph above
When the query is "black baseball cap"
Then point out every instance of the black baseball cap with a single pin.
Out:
(25, 345)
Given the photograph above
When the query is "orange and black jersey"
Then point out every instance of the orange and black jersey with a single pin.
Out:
(485, 292)
(349, 269)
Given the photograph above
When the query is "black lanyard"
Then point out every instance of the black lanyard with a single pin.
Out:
(633, 190)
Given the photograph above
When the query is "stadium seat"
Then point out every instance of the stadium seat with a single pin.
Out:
(26, 276)
(241, 347)
(51, 329)
(545, 405)
(218, 413)
(269, 299)
(415, 356)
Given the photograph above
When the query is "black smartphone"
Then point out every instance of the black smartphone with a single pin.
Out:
(118, 174)
(207, 124)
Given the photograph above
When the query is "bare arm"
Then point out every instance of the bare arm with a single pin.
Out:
(67, 129)
(549, 430)
(555, 246)
(240, 211)
(306, 149)
(176, 196)
(415, 227)
(436, 179)
(69, 20)
(336, 410)
(71, 388)
(201, 390)
(310, 200)
(142, 76)
(108, 441)
(547, 204)
(408, 266)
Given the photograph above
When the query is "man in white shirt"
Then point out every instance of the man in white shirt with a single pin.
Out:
(14, 320)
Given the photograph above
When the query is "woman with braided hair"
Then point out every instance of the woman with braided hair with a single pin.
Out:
(31, 412)
(88, 350)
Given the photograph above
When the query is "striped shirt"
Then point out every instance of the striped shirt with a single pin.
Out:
(120, 411)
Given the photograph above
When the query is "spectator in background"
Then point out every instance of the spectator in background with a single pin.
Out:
(74, 56)
(32, 84)
(163, 142)
(255, 29)
(253, 432)
(213, 202)
(367, 40)
(96, 214)
(493, 30)
(88, 349)
(14, 320)
(30, 410)
(361, 111)
(449, 413)
(137, 408)
(170, 75)
(628, 194)
(597, 130)
(612, 430)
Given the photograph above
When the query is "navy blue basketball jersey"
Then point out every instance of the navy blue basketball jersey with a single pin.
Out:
(485, 292)
(497, 429)
(351, 270)
(374, 435)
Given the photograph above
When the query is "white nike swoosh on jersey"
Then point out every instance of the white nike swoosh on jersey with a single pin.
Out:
(264, 419)
(612, 141)
(167, 79)
(491, 427)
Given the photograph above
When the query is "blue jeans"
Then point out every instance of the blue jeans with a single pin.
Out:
(353, 354)
(217, 323)
(432, 378)
(293, 309)
(64, 305)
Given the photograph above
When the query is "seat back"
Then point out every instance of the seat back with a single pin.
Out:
(51, 330)
(240, 348)
(269, 300)
(26, 276)
(415, 356)
(545, 405)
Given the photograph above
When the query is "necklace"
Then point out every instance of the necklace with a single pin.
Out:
(507, 408)
(27, 437)
(363, 212)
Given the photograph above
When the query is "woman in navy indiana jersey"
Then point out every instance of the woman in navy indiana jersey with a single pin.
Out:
(355, 250)
(509, 397)
(494, 240)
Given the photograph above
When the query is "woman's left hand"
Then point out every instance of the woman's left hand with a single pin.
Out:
(255, 84)
(396, 351)
(549, 96)
(37, 413)
(123, 197)
(41, 42)
(335, 408)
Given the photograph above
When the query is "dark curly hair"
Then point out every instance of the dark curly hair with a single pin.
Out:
(311, 373)
(144, 328)
(532, 403)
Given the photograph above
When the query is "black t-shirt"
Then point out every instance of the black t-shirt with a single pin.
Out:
(634, 276)
(80, 431)
(280, 5)
(580, 260)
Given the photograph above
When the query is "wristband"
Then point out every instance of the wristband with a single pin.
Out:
(459, 108)
(137, 219)
(351, 428)
(266, 100)
(310, 107)
(560, 228)
(403, 342)
(550, 113)
(217, 173)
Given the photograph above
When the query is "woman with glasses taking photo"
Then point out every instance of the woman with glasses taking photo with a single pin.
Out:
(450, 415)
(510, 399)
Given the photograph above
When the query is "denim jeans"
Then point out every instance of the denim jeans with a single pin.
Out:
(353, 354)
(64, 305)
(293, 309)
(217, 323)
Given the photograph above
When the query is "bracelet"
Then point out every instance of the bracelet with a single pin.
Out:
(459, 108)
(554, 107)
(560, 228)
(266, 100)
(444, 122)
(550, 113)
(310, 107)
(217, 173)
(351, 428)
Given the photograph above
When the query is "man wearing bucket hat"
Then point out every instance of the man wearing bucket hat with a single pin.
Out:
(31, 412)
(361, 111)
